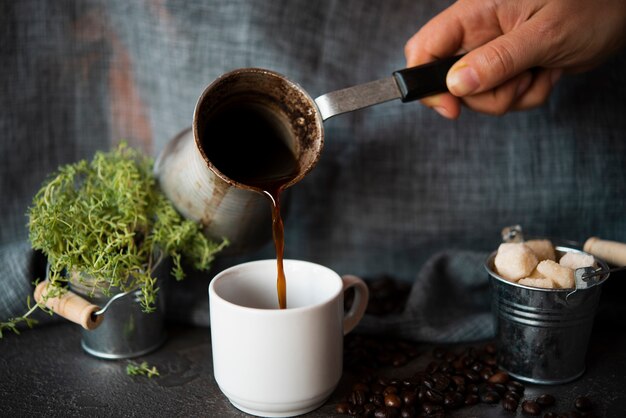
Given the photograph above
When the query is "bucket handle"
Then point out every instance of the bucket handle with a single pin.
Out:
(71, 307)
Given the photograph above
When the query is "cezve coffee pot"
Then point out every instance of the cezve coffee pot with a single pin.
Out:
(232, 121)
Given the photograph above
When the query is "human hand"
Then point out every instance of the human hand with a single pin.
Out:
(518, 49)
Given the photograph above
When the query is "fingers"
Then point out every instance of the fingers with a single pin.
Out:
(501, 99)
(446, 105)
(501, 59)
(540, 89)
(442, 36)
(525, 91)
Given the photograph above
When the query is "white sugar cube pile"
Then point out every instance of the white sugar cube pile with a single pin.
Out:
(533, 263)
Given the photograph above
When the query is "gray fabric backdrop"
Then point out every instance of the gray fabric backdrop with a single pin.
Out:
(396, 183)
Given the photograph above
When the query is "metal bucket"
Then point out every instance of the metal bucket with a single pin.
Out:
(126, 330)
(543, 334)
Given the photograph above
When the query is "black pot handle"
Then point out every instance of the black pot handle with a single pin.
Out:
(424, 80)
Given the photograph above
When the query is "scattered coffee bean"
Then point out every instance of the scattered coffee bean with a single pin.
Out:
(454, 379)
(471, 399)
(393, 401)
(486, 373)
(409, 398)
(583, 403)
(509, 404)
(546, 400)
(431, 408)
(342, 407)
(531, 408)
(500, 377)
(512, 395)
(515, 386)
(490, 396)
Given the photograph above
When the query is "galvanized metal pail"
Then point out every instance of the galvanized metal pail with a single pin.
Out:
(543, 334)
(126, 330)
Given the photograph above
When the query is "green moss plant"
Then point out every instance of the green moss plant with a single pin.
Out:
(108, 220)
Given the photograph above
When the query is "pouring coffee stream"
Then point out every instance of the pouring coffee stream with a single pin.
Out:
(256, 133)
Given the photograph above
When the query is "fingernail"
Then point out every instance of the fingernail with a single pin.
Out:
(524, 84)
(555, 76)
(442, 111)
(462, 80)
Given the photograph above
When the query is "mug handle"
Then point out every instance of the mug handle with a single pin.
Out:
(361, 296)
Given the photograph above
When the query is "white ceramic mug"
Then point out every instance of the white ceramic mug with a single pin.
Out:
(272, 362)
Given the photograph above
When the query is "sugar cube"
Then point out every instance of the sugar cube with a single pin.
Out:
(515, 261)
(543, 249)
(577, 260)
(537, 282)
(563, 277)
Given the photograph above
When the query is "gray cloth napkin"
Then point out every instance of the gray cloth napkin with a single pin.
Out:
(449, 301)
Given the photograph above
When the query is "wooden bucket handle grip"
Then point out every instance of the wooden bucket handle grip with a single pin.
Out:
(71, 307)
(612, 252)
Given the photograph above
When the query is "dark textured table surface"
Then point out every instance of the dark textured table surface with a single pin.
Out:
(44, 372)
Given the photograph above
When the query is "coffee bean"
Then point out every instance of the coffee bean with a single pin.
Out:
(378, 400)
(441, 381)
(550, 415)
(359, 397)
(458, 364)
(390, 389)
(477, 367)
(453, 400)
(471, 399)
(368, 409)
(500, 388)
(509, 404)
(515, 386)
(409, 398)
(445, 367)
(490, 396)
(490, 361)
(393, 401)
(382, 413)
(434, 396)
(531, 408)
(431, 409)
(377, 388)
(486, 373)
(432, 367)
(512, 395)
(472, 376)
(407, 413)
(500, 377)
(458, 382)
(355, 410)
(342, 407)
(546, 400)
(583, 403)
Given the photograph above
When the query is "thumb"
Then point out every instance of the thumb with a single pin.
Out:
(497, 61)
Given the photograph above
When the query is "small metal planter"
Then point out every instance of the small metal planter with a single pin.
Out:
(543, 334)
(114, 326)
(126, 331)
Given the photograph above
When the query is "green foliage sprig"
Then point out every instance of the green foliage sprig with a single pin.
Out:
(108, 221)
(143, 369)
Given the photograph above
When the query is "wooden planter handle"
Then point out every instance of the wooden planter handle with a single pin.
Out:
(612, 252)
(71, 307)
